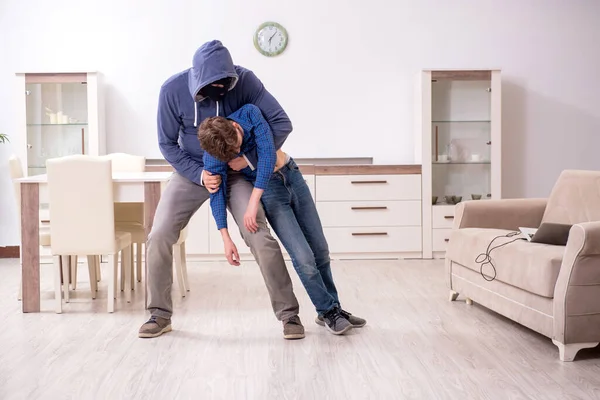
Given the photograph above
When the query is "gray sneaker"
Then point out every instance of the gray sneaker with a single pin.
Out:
(154, 327)
(293, 328)
(335, 322)
(356, 322)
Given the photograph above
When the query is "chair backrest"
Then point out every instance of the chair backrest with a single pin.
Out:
(122, 162)
(575, 198)
(81, 198)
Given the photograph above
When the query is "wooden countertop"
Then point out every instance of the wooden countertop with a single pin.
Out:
(315, 169)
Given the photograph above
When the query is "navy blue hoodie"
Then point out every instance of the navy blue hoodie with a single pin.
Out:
(181, 108)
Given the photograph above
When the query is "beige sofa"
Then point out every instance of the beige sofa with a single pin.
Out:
(554, 290)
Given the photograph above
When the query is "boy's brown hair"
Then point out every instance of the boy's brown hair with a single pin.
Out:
(219, 138)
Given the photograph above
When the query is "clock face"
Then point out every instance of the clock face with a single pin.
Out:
(270, 39)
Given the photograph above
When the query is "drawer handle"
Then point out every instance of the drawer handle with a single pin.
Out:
(369, 233)
(446, 240)
(367, 182)
(369, 208)
(45, 221)
(449, 216)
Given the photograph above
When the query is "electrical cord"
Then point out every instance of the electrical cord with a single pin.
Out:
(485, 258)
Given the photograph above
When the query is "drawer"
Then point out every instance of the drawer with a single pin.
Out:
(368, 187)
(443, 216)
(440, 239)
(374, 239)
(369, 213)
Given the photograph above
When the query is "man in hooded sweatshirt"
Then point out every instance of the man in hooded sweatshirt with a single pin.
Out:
(213, 86)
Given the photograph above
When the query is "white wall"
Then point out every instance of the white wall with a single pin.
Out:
(346, 78)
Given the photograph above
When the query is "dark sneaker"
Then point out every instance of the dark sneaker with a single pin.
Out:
(355, 321)
(335, 322)
(155, 326)
(293, 328)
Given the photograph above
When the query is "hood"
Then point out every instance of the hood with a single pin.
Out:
(211, 62)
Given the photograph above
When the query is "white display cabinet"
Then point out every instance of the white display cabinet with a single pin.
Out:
(458, 127)
(59, 114)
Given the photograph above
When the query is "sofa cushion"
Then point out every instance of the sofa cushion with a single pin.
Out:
(533, 267)
(575, 198)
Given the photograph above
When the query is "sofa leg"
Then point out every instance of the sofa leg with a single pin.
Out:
(567, 352)
(453, 295)
(469, 301)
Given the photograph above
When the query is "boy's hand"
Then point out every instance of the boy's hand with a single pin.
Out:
(238, 164)
(250, 217)
(211, 182)
(231, 253)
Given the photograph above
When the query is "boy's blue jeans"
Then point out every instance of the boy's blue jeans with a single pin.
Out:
(293, 216)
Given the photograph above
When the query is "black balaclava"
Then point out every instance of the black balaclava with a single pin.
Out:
(214, 92)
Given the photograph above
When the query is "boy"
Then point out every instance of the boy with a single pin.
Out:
(286, 199)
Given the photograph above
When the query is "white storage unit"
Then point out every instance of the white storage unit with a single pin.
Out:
(371, 216)
(364, 215)
(458, 142)
(59, 114)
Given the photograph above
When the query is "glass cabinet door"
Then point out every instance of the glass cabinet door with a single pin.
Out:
(57, 122)
(461, 140)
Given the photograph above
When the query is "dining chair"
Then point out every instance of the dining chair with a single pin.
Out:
(81, 198)
(16, 172)
(129, 217)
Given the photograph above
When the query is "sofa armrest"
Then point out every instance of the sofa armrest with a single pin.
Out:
(507, 214)
(577, 290)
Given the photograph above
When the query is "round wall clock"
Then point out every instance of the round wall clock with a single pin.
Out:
(270, 39)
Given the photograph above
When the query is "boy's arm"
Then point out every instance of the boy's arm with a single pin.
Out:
(218, 200)
(218, 205)
(264, 166)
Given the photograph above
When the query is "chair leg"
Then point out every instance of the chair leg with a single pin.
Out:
(178, 268)
(73, 263)
(112, 282)
(138, 260)
(122, 272)
(126, 264)
(186, 281)
(57, 284)
(91, 260)
(98, 269)
(131, 267)
(66, 268)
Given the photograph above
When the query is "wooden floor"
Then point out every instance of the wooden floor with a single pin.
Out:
(226, 344)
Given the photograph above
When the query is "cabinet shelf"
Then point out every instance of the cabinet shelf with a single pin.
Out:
(74, 124)
(462, 162)
(462, 122)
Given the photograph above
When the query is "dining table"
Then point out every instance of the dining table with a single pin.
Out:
(129, 187)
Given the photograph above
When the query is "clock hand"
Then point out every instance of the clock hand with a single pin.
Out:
(272, 37)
